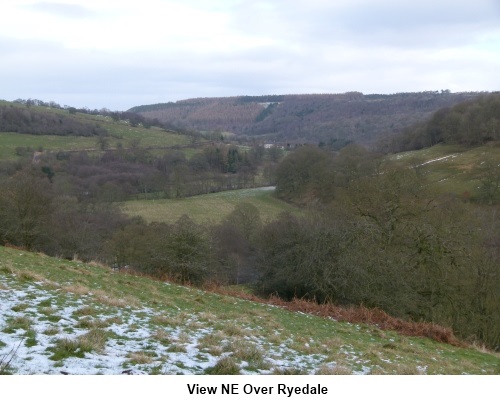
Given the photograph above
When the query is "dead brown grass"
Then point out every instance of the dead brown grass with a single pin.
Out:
(105, 298)
(140, 358)
(354, 314)
(76, 289)
(334, 370)
(27, 275)
(374, 316)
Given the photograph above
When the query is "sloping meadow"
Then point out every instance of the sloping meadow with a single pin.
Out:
(69, 317)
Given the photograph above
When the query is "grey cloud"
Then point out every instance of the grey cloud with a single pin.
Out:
(329, 47)
(99, 80)
(9, 46)
(393, 23)
(397, 15)
(120, 87)
(424, 24)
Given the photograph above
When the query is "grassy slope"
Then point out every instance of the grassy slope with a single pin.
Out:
(207, 207)
(84, 318)
(119, 133)
(454, 171)
(124, 133)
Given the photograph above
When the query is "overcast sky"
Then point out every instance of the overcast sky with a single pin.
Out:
(119, 54)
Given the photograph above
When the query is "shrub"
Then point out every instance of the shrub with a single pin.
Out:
(225, 366)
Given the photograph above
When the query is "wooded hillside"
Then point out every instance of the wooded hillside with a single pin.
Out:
(311, 118)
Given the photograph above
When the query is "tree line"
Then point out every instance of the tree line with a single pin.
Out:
(37, 216)
(36, 122)
(135, 172)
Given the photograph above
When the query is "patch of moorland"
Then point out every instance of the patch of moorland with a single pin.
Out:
(70, 317)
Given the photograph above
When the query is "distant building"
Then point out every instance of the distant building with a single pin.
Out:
(284, 145)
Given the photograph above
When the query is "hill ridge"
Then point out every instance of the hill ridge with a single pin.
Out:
(314, 118)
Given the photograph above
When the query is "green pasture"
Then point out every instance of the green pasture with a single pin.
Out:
(9, 141)
(208, 207)
(122, 132)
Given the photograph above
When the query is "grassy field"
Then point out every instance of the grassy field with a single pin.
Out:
(62, 316)
(10, 141)
(208, 207)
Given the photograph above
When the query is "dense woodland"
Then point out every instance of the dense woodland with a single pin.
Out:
(372, 233)
(325, 118)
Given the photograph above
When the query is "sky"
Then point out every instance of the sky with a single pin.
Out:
(120, 54)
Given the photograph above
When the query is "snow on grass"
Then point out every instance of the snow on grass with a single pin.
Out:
(437, 160)
(136, 341)
(60, 317)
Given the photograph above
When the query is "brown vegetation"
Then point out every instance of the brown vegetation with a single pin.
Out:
(351, 314)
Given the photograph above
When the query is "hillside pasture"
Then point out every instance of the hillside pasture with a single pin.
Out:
(69, 317)
(9, 141)
(120, 134)
(208, 207)
(451, 169)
